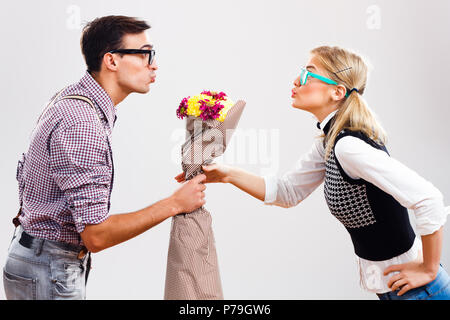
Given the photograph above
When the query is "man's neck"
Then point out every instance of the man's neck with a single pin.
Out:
(116, 93)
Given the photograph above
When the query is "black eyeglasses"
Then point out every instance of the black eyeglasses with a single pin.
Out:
(151, 53)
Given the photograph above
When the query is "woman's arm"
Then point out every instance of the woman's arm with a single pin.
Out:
(418, 273)
(286, 191)
(432, 248)
(361, 161)
(248, 182)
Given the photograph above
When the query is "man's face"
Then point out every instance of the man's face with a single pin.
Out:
(134, 74)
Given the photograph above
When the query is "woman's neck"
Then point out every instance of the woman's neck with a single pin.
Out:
(322, 114)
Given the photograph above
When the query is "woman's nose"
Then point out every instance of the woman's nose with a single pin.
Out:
(297, 82)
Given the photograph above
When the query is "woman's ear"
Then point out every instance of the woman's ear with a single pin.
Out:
(109, 62)
(339, 92)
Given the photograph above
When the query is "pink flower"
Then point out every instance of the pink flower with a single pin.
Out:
(215, 95)
(210, 110)
(182, 109)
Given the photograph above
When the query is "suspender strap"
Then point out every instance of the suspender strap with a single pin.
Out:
(86, 100)
(16, 220)
(107, 139)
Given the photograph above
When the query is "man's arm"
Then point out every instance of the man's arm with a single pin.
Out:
(79, 165)
(122, 227)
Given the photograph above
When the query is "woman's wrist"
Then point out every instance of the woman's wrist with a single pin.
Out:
(431, 269)
(431, 249)
(232, 175)
(246, 181)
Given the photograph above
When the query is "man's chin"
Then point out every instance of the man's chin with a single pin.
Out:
(296, 106)
(143, 89)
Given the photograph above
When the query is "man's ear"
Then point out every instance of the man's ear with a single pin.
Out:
(339, 92)
(110, 62)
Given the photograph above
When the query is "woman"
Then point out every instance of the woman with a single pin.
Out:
(365, 189)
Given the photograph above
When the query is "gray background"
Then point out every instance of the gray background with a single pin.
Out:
(251, 50)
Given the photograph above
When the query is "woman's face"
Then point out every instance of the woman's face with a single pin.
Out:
(315, 94)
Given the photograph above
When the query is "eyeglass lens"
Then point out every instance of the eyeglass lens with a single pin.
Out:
(303, 76)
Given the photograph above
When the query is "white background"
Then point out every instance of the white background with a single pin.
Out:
(252, 50)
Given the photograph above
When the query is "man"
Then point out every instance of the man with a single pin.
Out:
(66, 177)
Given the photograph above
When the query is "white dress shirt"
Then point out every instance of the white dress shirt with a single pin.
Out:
(359, 160)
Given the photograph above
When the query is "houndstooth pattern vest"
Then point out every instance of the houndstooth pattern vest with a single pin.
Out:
(378, 225)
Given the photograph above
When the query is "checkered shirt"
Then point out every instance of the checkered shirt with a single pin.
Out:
(66, 176)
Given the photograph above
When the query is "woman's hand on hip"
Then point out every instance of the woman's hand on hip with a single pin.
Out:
(411, 275)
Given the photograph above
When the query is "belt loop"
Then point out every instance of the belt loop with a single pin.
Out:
(39, 246)
(88, 266)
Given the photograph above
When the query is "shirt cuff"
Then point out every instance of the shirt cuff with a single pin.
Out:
(429, 224)
(90, 213)
(271, 186)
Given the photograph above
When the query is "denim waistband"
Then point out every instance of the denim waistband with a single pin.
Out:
(29, 241)
(441, 281)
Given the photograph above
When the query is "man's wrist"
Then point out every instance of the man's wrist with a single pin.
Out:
(173, 206)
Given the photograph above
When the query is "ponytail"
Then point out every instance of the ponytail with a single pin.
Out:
(353, 112)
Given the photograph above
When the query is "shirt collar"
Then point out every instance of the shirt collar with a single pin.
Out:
(325, 124)
(100, 97)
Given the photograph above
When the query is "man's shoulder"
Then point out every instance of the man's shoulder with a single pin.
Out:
(71, 111)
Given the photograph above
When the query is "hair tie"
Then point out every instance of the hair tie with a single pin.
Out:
(349, 92)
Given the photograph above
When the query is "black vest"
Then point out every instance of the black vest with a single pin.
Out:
(378, 225)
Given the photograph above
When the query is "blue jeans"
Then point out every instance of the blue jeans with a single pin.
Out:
(48, 270)
(438, 289)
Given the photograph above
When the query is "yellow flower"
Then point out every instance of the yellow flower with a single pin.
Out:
(227, 104)
(194, 106)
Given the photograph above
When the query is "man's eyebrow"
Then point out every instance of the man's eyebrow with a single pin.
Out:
(150, 46)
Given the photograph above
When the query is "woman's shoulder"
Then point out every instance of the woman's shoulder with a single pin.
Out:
(359, 135)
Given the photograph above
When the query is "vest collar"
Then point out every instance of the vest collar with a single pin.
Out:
(326, 123)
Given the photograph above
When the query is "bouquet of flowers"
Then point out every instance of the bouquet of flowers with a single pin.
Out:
(192, 267)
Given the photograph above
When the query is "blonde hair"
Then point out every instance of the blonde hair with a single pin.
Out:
(350, 70)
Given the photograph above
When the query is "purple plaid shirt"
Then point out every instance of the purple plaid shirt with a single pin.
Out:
(66, 177)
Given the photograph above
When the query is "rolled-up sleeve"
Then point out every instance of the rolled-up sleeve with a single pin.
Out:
(80, 167)
(360, 160)
(297, 184)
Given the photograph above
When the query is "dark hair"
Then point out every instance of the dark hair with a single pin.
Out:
(105, 34)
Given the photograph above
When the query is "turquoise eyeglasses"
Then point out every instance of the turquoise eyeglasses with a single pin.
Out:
(304, 74)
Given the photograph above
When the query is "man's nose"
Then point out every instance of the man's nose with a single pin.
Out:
(153, 66)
